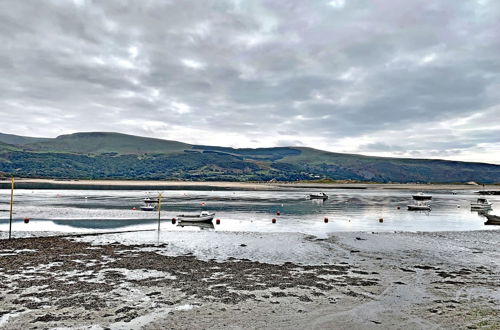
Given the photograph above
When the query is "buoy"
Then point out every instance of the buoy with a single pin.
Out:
(399, 207)
(458, 206)
(217, 221)
(174, 221)
(278, 213)
(381, 220)
(326, 220)
(26, 220)
(274, 220)
(133, 209)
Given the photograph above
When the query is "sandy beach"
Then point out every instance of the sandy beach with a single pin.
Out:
(166, 185)
(213, 280)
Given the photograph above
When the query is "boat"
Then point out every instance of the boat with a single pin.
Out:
(149, 207)
(199, 224)
(481, 204)
(150, 200)
(492, 219)
(203, 216)
(419, 206)
(422, 197)
(488, 192)
(322, 196)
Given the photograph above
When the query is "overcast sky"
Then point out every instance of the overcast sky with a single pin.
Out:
(413, 78)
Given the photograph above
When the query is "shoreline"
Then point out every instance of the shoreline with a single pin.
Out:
(203, 185)
(355, 280)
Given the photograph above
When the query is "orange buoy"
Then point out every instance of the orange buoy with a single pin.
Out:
(274, 220)
(26, 220)
(217, 221)
(326, 220)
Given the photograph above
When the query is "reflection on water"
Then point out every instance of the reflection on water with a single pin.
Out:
(347, 210)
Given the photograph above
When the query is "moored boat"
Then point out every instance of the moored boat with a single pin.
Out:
(492, 219)
(481, 204)
(421, 197)
(322, 196)
(148, 207)
(203, 216)
(419, 207)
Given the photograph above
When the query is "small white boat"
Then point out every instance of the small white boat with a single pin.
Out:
(148, 207)
(322, 196)
(150, 200)
(481, 204)
(203, 216)
(419, 207)
(422, 197)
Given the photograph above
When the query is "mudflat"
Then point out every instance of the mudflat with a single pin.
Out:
(213, 280)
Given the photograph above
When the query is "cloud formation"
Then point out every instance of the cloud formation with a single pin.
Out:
(392, 78)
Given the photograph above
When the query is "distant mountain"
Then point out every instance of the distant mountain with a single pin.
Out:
(102, 155)
(18, 139)
(104, 142)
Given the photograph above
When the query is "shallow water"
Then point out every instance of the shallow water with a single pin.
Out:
(247, 211)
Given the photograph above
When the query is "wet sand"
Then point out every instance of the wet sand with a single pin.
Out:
(253, 280)
(165, 185)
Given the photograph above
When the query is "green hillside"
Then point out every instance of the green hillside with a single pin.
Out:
(120, 156)
(104, 142)
(18, 139)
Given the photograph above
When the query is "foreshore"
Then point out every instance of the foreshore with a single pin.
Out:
(213, 280)
(206, 185)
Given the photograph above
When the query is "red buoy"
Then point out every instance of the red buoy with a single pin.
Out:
(381, 220)
(326, 220)
(399, 207)
(133, 209)
(217, 221)
(26, 220)
(274, 220)
(174, 221)
(278, 213)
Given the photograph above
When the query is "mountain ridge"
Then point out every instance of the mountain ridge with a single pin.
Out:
(109, 155)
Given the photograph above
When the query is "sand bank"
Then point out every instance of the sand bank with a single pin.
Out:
(168, 185)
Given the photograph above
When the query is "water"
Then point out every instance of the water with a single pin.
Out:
(247, 211)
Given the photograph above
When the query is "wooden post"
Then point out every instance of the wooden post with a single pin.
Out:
(11, 205)
(159, 209)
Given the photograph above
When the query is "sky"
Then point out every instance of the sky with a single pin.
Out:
(413, 78)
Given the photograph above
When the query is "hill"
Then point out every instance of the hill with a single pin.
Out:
(102, 155)
(104, 142)
(18, 139)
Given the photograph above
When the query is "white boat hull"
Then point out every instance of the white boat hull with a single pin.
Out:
(474, 206)
(195, 217)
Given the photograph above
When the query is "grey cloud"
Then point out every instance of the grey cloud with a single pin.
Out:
(265, 71)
